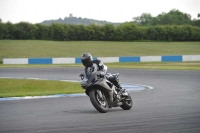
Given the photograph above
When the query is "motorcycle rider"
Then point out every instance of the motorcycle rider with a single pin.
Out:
(96, 65)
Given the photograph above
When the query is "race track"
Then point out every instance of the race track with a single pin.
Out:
(173, 106)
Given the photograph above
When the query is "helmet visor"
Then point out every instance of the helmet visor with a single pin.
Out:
(86, 62)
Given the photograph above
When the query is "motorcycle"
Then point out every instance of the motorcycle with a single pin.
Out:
(103, 94)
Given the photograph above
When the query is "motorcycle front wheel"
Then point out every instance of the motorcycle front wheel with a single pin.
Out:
(127, 103)
(98, 102)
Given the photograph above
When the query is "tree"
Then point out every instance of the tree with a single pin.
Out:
(43, 32)
(143, 20)
(196, 22)
(108, 31)
(7, 30)
(24, 30)
(127, 32)
(173, 17)
(58, 32)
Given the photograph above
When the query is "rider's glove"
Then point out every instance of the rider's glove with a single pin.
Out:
(101, 74)
(83, 85)
(81, 74)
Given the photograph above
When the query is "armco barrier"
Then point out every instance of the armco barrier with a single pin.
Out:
(177, 58)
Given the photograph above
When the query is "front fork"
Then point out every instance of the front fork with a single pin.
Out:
(100, 95)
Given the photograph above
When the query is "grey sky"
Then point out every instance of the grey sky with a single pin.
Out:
(35, 11)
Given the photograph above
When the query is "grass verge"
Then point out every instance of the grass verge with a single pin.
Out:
(158, 65)
(30, 87)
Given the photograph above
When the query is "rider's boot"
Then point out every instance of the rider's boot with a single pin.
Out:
(114, 79)
(118, 87)
(121, 90)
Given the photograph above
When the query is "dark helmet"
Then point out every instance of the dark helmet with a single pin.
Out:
(86, 59)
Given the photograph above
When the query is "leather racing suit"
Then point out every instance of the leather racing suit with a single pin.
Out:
(97, 65)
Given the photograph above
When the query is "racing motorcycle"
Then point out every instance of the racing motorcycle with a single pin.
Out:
(103, 94)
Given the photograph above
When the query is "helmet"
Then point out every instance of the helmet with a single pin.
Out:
(86, 59)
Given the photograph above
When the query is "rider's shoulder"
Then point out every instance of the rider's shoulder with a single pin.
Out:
(97, 61)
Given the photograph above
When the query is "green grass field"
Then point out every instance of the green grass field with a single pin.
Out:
(40, 49)
(30, 87)
(36, 48)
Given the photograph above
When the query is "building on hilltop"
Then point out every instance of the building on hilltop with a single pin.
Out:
(70, 15)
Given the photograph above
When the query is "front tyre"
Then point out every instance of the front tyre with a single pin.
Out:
(127, 103)
(99, 103)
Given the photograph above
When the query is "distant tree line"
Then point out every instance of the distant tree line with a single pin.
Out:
(77, 21)
(173, 17)
(171, 26)
(123, 32)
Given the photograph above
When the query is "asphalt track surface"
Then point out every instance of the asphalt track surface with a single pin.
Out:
(173, 106)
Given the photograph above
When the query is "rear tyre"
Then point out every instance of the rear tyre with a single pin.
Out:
(100, 104)
(127, 103)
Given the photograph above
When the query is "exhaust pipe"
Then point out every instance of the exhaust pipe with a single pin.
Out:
(116, 103)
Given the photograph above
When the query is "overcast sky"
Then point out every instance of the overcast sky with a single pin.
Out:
(35, 11)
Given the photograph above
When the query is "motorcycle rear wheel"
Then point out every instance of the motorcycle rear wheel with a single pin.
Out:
(97, 102)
